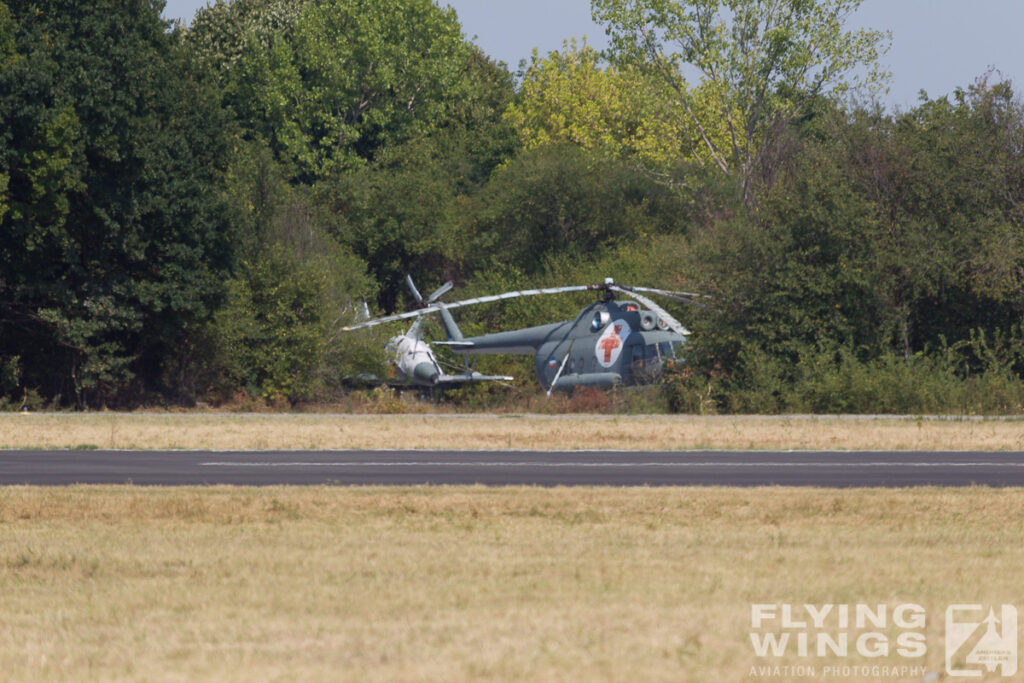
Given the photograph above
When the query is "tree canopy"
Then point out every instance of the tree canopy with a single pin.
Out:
(325, 84)
(193, 213)
(115, 237)
(571, 96)
(756, 61)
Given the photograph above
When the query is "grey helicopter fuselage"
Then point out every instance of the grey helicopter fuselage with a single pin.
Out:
(610, 342)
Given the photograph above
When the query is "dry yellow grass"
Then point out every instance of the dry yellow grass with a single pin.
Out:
(371, 584)
(243, 432)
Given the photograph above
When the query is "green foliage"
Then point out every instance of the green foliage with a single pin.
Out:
(832, 380)
(114, 232)
(272, 327)
(564, 203)
(7, 29)
(398, 214)
(221, 33)
(401, 213)
(293, 288)
(90, 330)
(275, 337)
(874, 242)
(865, 237)
(569, 96)
(10, 374)
(757, 62)
(327, 83)
(197, 212)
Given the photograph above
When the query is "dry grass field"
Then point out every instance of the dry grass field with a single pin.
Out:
(283, 431)
(469, 583)
(372, 584)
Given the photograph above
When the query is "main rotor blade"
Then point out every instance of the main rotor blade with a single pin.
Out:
(673, 324)
(472, 302)
(431, 305)
(681, 299)
(684, 297)
(518, 293)
(385, 319)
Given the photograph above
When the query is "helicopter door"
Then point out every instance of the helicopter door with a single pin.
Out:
(636, 364)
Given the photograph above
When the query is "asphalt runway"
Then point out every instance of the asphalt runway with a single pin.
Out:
(503, 468)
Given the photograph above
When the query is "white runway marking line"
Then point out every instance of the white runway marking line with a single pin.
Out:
(414, 463)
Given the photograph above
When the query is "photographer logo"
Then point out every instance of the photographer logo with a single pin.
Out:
(980, 642)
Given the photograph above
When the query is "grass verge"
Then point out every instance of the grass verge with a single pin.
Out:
(373, 584)
(283, 431)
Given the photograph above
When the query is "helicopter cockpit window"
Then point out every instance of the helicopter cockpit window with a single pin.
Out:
(668, 350)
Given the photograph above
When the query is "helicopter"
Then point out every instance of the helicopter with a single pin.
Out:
(610, 342)
(413, 362)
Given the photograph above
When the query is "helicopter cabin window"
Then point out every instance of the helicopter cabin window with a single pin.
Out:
(668, 349)
(645, 355)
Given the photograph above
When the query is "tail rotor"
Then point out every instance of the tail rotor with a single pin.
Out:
(430, 300)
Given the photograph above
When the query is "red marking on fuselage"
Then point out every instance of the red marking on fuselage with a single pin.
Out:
(610, 343)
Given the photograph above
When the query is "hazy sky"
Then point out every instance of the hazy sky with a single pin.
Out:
(937, 45)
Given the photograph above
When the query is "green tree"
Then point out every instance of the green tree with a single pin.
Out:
(328, 82)
(221, 33)
(7, 56)
(953, 193)
(758, 61)
(570, 96)
(561, 202)
(292, 288)
(271, 331)
(115, 236)
(400, 213)
(876, 238)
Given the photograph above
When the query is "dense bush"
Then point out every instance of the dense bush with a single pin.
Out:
(967, 379)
